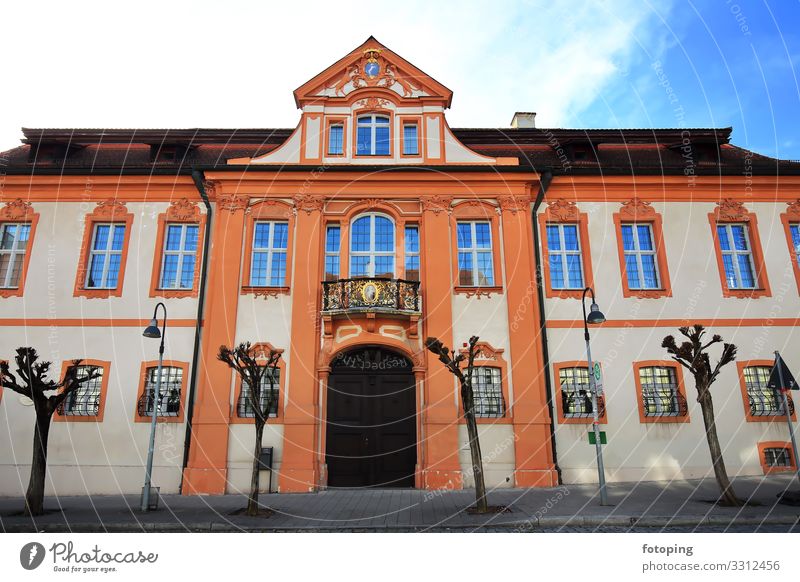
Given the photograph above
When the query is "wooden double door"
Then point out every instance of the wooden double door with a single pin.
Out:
(371, 434)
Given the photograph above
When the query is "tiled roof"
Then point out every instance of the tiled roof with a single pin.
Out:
(560, 150)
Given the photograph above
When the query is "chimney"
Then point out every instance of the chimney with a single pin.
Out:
(524, 120)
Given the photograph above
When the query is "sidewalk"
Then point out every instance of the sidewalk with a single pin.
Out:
(657, 505)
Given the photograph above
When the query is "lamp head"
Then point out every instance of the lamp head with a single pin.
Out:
(595, 315)
(152, 330)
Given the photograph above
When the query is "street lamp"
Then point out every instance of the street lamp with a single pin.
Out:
(152, 331)
(595, 317)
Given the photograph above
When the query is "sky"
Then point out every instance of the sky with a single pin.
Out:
(586, 64)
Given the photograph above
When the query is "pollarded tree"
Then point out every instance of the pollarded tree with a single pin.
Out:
(33, 384)
(693, 355)
(261, 397)
(454, 363)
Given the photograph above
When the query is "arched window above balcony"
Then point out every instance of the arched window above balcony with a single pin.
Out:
(372, 246)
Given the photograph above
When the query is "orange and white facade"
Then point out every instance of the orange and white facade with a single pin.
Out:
(367, 228)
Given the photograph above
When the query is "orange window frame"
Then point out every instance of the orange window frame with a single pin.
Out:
(20, 212)
(180, 212)
(237, 390)
(644, 419)
(477, 211)
(329, 121)
(734, 212)
(762, 457)
(106, 366)
(354, 132)
(748, 414)
(143, 378)
(489, 357)
(655, 223)
(788, 218)
(272, 211)
(407, 120)
(563, 212)
(557, 367)
(110, 212)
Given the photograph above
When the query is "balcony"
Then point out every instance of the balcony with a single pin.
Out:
(370, 295)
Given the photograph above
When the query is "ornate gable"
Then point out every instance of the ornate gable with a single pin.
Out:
(372, 65)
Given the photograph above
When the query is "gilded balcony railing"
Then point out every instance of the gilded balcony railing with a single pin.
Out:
(370, 293)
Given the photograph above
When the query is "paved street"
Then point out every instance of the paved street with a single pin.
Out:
(645, 506)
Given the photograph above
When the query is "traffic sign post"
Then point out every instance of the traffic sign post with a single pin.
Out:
(783, 381)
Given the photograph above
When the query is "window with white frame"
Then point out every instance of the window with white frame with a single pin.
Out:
(762, 399)
(487, 392)
(576, 396)
(794, 230)
(13, 245)
(372, 247)
(85, 401)
(268, 394)
(412, 252)
(336, 139)
(270, 241)
(641, 265)
(737, 256)
(179, 256)
(105, 256)
(410, 139)
(169, 403)
(372, 135)
(778, 457)
(660, 394)
(475, 262)
(564, 252)
(332, 244)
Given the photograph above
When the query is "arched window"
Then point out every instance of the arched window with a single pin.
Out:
(372, 247)
(372, 138)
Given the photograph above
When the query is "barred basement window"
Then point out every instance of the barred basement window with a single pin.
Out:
(762, 399)
(660, 394)
(576, 398)
(85, 401)
(487, 392)
(171, 383)
(778, 457)
(243, 407)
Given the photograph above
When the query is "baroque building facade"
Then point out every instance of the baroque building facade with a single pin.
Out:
(348, 240)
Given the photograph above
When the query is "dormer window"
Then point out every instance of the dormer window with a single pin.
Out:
(372, 138)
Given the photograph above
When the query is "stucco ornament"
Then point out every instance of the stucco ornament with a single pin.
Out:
(637, 208)
(436, 204)
(562, 211)
(17, 209)
(729, 209)
(309, 203)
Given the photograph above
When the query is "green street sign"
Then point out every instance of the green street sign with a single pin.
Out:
(593, 441)
(598, 379)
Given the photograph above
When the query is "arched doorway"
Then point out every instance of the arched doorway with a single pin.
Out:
(371, 434)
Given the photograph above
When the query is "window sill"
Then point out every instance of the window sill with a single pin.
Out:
(161, 419)
(98, 293)
(646, 293)
(10, 292)
(745, 293)
(236, 419)
(478, 292)
(564, 293)
(664, 419)
(173, 293)
(771, 470)
(777, 417)
(505, 419)
(581, 420)
(265, 291)
(75, 418)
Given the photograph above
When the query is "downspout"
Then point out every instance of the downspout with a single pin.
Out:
(198, 178)
(544, 183)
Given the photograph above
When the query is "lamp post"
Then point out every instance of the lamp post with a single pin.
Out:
(595, 317)
(152, 331)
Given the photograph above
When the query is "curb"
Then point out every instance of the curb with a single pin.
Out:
(541, 523)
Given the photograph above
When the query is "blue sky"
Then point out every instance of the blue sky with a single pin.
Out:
(600, 63)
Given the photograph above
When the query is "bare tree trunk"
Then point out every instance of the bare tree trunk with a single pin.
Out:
(728, 496)
(34, 497)
(252, 502)
(477, 464)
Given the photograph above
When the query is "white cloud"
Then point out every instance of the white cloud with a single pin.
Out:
(235, 64)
